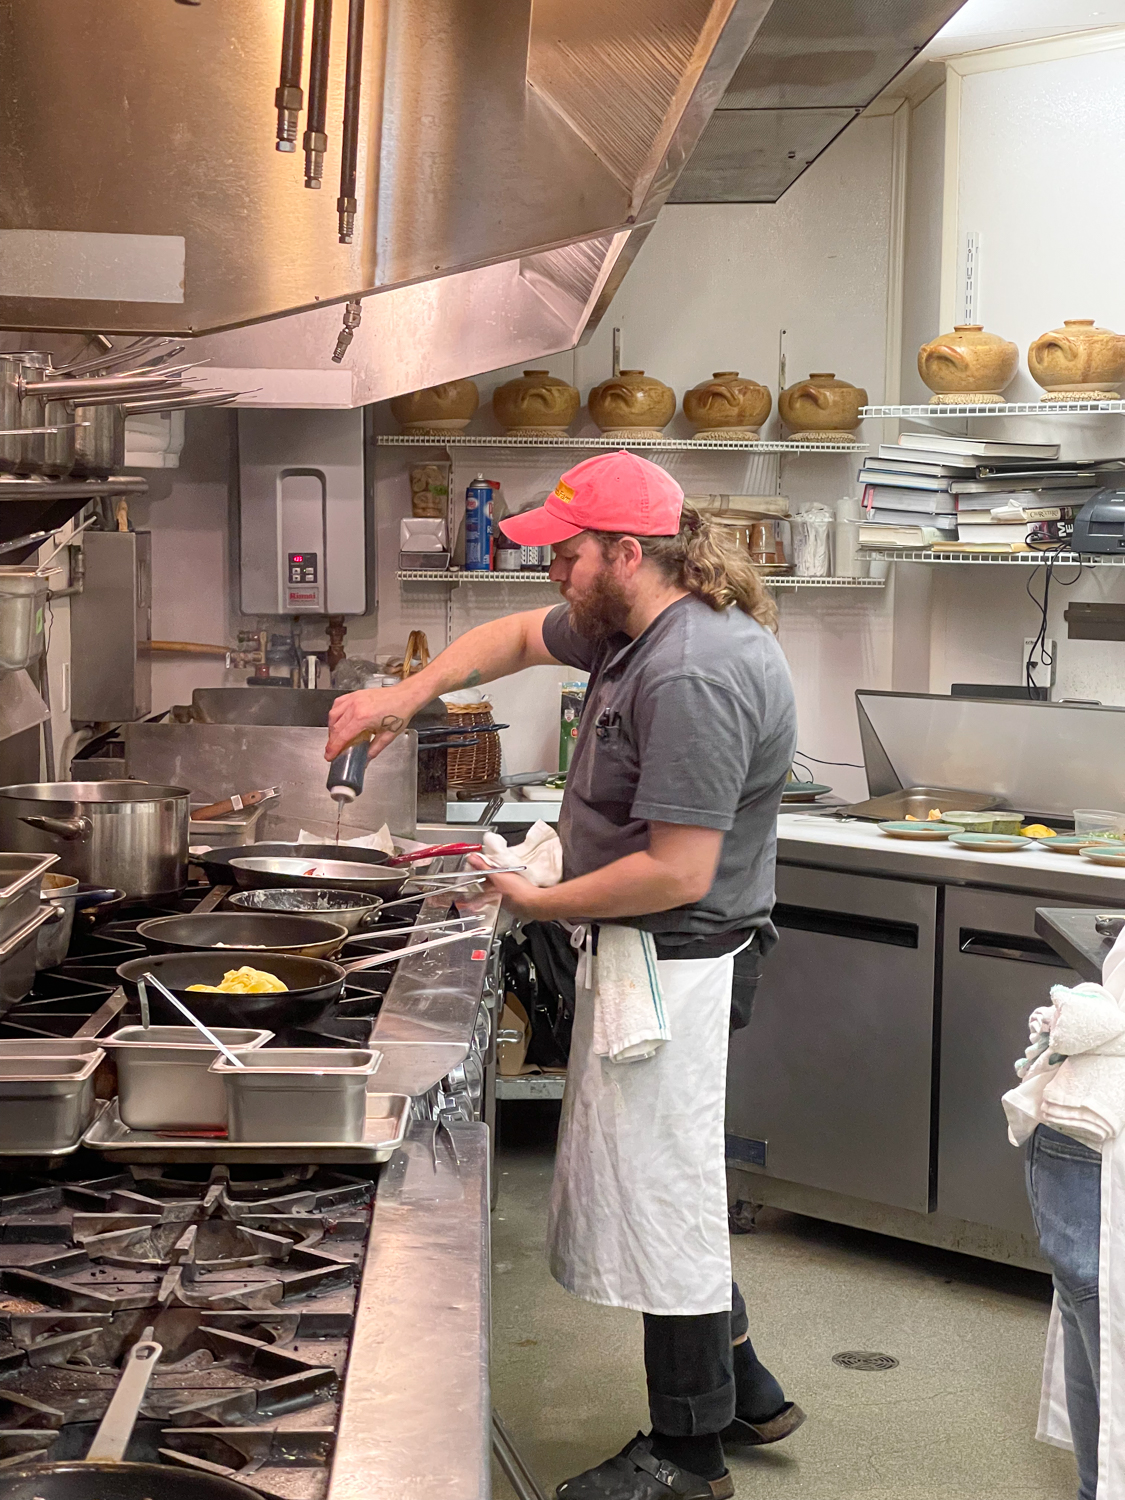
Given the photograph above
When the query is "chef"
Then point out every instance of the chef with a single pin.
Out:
(668, 829)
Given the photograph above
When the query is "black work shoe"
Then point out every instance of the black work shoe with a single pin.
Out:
(634, 1474)
(755, 1434)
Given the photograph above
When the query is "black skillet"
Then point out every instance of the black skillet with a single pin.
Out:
(272, 932)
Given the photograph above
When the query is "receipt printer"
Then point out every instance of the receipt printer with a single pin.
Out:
(1100, 525)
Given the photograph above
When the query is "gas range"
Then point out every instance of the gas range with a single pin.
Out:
(248, 1281)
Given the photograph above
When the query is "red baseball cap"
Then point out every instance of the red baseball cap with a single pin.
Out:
(610, 492)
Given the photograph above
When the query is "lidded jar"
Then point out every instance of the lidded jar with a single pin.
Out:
(1078, 361)
(632, 404)
(968, 366)
(729, 405)
(822, 408)
(448, 407)
(536, 402)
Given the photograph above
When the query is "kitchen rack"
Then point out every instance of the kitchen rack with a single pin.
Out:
(660, 445)
(1005, 559)
(1002, 409)
(28, 505)
(456, 576)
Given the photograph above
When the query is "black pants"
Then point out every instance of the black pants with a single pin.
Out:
(690, 1371)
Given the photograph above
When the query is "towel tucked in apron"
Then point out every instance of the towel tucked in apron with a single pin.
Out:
(638, 1214)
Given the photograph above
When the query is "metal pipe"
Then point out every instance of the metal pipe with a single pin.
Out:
(289, 97)
(349, 139)
(316, 139)
(516, 1471)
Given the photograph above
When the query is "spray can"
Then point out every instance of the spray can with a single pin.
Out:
(478, 526)
(573, 697)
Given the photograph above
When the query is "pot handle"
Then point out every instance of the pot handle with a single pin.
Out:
(61, 828)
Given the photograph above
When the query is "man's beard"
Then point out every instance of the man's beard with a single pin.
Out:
(602, 611)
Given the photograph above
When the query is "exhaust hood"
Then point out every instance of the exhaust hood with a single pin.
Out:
(510, 157)
(810, 70)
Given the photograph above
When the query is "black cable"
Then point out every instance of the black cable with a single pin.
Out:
(1038, 647)
(851, 765)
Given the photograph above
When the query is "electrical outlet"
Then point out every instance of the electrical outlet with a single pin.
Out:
(1042, 661)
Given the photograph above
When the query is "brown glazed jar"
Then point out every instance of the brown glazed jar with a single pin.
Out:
(448, 407)
(968, 366)
(822, 408)
(537, 402)
(632, 404)
(729, 405)
(1078, 362)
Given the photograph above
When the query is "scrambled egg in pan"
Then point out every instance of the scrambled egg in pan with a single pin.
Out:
(244, 981)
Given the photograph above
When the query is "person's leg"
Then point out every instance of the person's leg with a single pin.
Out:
(762, 1414)
(1064, 1184)
(688, 1366)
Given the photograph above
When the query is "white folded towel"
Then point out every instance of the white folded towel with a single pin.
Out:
(630, 1023)
(540, 853)
(1074, 1070)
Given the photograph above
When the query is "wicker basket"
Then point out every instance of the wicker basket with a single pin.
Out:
(479, 764)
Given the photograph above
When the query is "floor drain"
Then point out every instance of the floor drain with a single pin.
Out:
(863, 1359)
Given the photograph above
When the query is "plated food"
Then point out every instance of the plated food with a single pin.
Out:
(1104, 854)
(919, 829)
(244, 981)
(991, 843)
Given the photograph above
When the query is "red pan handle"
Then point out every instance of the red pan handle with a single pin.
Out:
(432, 852)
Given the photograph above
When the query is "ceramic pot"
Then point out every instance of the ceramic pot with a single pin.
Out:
(1078, 361)
(967, 365)
(438, 408)
(822, 408)
(727, 406)
(632, 404)
(537, 402)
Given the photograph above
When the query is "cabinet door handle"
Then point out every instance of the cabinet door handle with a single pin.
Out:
(846, 925)
(1011, 946)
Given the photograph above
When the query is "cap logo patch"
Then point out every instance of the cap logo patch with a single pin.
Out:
(563, 492)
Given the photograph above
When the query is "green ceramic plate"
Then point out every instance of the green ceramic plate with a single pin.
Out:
(803, 791)
(991, 843)
(1104, 854)
(921, 831)
(1065, 843)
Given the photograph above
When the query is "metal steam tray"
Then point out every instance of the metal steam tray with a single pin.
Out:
(388, 1116)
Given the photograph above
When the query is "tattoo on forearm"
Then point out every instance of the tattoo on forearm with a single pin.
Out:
(473, 679)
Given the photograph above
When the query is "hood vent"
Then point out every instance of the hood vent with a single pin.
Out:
(809, 71)
(511, 155)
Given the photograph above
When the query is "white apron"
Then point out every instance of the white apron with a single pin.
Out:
(638, 1214)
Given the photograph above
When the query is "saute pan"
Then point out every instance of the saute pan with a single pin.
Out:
(271, 932)
(219, 869)
(313, 983)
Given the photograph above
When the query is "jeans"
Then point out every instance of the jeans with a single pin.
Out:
(690, 1369)
(1064, 1185)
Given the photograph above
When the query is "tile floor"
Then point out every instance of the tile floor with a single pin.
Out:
(955, 1419)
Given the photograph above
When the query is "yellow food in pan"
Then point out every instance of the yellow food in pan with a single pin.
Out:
(244, 981)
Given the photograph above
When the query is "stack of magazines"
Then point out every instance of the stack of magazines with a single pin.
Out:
(972, 494)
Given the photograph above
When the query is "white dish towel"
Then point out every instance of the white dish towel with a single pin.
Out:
(540, 853)
(630, 1022)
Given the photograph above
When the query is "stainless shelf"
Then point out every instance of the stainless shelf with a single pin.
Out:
(1005, 559)
(658, 445)
(456, 576)
(71, 489)
(531, 1086)
(1001, 409)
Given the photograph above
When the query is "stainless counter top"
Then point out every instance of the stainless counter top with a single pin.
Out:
(827, 843)
(415, 1419)
(1072, 934)
(426, 1021)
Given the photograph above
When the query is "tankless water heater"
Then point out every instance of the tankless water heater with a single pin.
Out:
(304, 513)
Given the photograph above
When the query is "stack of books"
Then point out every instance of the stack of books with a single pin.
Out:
(970, 494)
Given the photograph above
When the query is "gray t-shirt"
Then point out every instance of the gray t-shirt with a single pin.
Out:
(693, 722)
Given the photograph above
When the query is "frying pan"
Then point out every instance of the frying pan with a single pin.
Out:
(313, 983)
(216, 864)
(104, 1473)
(309, 936)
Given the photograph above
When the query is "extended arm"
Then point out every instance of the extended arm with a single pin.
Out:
(494, 650)
(678, 867)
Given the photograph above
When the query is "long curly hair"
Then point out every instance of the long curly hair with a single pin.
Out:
(709, 562)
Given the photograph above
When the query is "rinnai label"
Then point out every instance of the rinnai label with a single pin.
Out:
(302, 598)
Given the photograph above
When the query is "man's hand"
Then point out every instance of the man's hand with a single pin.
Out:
(386, 712)
(521, 897)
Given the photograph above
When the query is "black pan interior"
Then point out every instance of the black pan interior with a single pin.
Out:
(291, 851)
(313, 984)
(127, 1481)
(238, 929)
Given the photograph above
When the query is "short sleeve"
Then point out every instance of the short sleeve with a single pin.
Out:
(565, 644)
(695, 740)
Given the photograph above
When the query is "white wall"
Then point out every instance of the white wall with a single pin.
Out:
(1041, 179)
